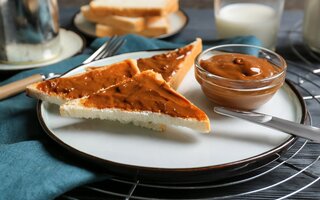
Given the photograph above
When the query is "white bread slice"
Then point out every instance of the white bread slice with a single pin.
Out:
(60, 90)
(134, 24)
(173, 71)
(134, 8)
(145, 100)
(154, 27)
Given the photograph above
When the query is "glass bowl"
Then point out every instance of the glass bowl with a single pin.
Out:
(247, 92)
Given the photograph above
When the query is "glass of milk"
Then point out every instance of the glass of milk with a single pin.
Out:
(311, 24)
(260, 18)
(29, 31)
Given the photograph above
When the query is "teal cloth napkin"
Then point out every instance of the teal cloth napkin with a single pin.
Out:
(31, 165)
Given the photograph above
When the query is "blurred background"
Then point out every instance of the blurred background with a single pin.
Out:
(290, 4)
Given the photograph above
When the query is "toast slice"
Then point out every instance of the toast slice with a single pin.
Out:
(174, 65)
(134, 24)
(154, 27)
(145, 100)
(60, 90)
(136, 8)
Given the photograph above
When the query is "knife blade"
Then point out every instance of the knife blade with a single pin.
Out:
(301, 130)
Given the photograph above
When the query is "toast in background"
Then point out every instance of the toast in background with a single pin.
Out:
(134, 24)
(134, 8)
(154, 27)
(145, 100)
(60, 90)
(120, 17)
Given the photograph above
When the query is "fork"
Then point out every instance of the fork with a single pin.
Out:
(109, 48)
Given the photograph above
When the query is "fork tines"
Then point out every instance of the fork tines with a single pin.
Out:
(109, 48)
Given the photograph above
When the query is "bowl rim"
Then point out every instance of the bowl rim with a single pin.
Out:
(210, 75)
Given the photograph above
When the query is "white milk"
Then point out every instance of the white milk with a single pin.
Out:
(248, 19)
(311, 25)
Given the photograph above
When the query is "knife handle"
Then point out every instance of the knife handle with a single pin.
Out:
(18, 86)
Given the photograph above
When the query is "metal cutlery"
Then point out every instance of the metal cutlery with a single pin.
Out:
(109, 48)
(301, 130)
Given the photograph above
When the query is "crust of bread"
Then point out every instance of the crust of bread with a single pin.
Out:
(154, 27)
(146, 119)
(103, 31)
(135, 24)
(105, 9)
(186, 65)
(32, 91)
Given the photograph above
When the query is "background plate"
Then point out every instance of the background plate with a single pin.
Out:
(177, 155)
(177, 21)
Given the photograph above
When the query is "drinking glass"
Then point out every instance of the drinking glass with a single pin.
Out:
(311, 25)
(260, 18)
(29, 31)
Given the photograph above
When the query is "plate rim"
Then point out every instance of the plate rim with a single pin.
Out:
(282, 147)
(163, 36)
(43, 64)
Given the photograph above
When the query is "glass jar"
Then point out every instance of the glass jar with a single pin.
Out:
(29, 31)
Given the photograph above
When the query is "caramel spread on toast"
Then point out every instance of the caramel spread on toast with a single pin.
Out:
(146, 91)
(166, 64)
(89, 82)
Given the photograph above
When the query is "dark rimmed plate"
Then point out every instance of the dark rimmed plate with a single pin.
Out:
(178, 21)
(178, 155)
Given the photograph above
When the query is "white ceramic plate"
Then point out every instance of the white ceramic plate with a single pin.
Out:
(231, 141)
(177, 21)
(70, 44)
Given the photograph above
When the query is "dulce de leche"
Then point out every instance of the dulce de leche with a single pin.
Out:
(165, 64)
(89, 82)
(146, 91)
(239, 81)
(239, 67)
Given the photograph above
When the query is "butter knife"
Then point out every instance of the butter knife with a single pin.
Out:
(301, 130)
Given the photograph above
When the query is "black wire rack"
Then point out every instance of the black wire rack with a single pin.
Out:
(294, 175)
